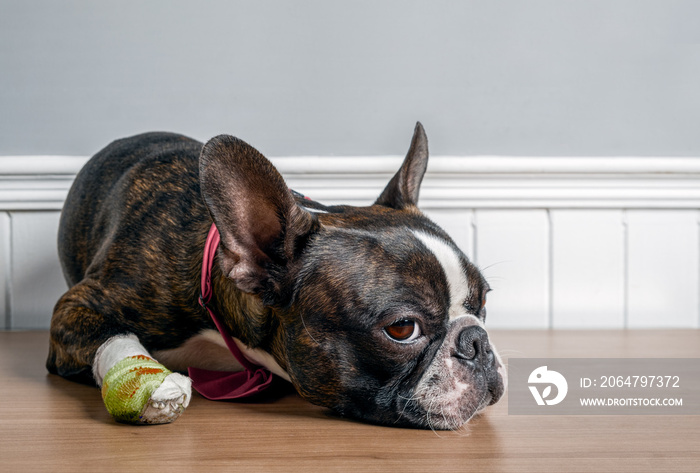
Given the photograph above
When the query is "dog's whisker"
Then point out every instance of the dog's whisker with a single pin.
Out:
(484, 268)
(307, 330)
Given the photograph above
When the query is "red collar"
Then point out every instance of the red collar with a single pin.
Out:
(220, 385)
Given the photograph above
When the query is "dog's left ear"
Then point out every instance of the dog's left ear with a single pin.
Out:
(403, 189)
(262, 229)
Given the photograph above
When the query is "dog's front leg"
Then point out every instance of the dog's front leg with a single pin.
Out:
(136, 388)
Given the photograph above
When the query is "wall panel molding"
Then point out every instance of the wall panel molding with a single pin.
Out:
(565, 242)
(41, 182)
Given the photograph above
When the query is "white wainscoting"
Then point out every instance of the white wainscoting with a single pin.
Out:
(564, 242)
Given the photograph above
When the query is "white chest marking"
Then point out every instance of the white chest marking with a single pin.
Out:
(208, 350)
(262, 358)
(452, 266)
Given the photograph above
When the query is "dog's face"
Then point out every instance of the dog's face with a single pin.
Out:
(380, 315)
(387, 326)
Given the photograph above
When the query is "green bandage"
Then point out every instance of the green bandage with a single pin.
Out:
(128, 386)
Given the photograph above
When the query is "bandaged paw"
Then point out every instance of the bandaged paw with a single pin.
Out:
(139, 390)
(168, 401)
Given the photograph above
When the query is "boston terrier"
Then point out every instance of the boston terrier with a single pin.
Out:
(372, 312)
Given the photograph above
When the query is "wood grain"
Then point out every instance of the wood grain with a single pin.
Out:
(50, 424)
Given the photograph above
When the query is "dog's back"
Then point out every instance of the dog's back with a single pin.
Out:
(133, 227)
(112, 200)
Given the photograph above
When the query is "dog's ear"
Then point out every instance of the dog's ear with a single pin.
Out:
(262, 229)
(403, 189)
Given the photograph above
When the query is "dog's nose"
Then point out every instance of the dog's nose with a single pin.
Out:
(473, 346)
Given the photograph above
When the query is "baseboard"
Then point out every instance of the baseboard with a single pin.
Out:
(565, 242)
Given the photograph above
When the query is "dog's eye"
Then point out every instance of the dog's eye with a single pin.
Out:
(405, 330)
(473, 309)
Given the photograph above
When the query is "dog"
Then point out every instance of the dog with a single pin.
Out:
(372, 312)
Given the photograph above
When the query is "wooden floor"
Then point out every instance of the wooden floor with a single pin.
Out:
(49, 424)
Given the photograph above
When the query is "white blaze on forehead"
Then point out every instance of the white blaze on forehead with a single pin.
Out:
(452, 266)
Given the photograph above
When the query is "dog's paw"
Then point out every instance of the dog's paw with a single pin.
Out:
(139, 390)
(168, 401)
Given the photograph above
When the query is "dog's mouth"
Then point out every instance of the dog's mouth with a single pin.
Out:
(453, 390)
(449, 403)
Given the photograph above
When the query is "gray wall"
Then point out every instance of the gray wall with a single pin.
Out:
(539, 77)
